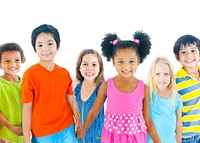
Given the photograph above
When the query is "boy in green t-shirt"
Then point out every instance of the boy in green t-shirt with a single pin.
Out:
(11, 58)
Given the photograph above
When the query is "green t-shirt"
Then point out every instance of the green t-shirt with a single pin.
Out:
(11, 108)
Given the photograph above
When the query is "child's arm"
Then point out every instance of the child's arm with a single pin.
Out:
(73, 104)
(179, 126)
(146, 110)
(15, 129)
(94, 111)
(26, 121)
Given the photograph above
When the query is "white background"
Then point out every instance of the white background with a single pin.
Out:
(83, 24)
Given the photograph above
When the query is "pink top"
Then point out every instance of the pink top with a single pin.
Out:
(124, 110)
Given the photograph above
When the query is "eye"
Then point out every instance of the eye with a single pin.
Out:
(120, 62)
(132, 62)
(193, 51)
(51, 43)
(39, 45)
(84, 64)
(182, 52)
(157, 74)
(17, 60)
(167, 74)
(94, 65)
(6, 61)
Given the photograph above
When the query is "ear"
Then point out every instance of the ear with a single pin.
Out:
(177, 57)
(58, 48)
(113, 61)
(138, 60)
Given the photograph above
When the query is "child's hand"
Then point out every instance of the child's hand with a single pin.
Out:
(28, 141)
(77, 126)
(17, 130)
(81, 134)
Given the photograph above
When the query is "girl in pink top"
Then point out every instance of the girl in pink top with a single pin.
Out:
(127, 117)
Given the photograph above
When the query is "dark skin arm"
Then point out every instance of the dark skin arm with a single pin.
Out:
(99, 102)
(146, 110)
(15, 129)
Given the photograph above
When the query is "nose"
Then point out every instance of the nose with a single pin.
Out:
(45, 47)
(188, 54)
(126, 66)
(12, 63)
(89, 68)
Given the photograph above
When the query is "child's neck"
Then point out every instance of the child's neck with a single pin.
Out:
(193, 72)
(11, 78)
(49, 66)
(164, 93)
(87, 89)
(88, 83)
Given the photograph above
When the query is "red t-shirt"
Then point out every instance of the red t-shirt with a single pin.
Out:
(47, 90)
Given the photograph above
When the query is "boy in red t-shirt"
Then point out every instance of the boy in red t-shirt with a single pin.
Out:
(49, 107)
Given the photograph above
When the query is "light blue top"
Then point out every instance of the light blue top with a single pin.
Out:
(163, 115)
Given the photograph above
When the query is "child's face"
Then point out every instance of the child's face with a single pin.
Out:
(126, 62)
(89, 67)
(46, 47)
(162, 75)
(11, 62)
(189, 56)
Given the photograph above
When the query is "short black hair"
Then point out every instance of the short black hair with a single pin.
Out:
(45, 28)
(184, 41)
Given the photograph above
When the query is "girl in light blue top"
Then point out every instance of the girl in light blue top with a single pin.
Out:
(165, 103)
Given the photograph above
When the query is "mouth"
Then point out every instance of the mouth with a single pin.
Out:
(46, 54)
(12, 69)
(89, 73)
(189, 60)
(126, 72)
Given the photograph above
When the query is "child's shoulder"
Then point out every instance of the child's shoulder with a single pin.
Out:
(61, 68)
(75, 83)
(32, 67)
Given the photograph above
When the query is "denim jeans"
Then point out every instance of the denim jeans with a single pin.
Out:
(65, 136)
(194, 139)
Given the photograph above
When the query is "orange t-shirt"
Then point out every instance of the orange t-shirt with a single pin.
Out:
(47, 90)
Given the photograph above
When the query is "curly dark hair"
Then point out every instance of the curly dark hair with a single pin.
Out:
(141, 43)
(12, 47)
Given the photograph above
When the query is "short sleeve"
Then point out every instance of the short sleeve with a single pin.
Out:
(70, 87)
(0, 95)
(179, 103)
(27, 92)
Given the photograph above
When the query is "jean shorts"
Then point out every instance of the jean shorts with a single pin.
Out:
(65, 136)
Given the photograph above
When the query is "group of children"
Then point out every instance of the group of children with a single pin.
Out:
(47, 106)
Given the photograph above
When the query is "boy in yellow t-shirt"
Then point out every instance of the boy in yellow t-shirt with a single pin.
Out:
(186, 50)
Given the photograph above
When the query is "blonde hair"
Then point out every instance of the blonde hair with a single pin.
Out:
(150, 80)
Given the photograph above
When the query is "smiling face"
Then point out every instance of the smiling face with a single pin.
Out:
(126, 62)
(89, 67)
(162, 76)
(11, 63)
(46, 47)
(189, 56)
